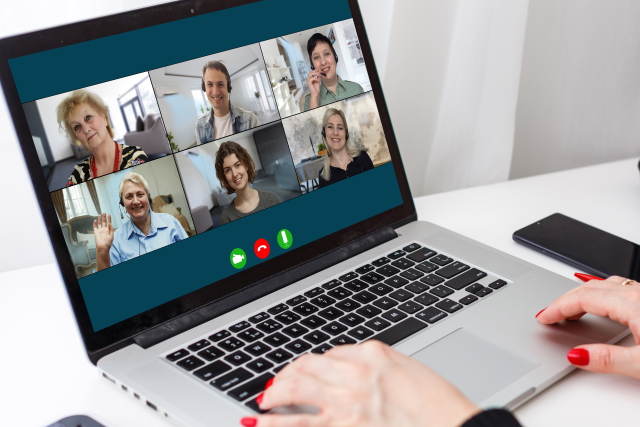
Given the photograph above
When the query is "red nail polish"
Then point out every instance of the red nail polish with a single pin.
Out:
(578, 356)
(249, 422)
(586, 277)
(269, 383)
(259, 398)
(541, 312)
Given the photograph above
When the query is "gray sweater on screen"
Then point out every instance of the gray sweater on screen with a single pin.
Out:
(266, 200)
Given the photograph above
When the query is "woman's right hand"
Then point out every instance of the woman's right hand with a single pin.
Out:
(103, 232)
(313, 81)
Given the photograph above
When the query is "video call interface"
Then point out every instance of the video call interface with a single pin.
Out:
(143, 162)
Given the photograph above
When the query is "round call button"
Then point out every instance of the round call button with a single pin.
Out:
(261, 248)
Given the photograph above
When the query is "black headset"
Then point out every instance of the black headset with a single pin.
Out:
(335, 55)
(204, 89)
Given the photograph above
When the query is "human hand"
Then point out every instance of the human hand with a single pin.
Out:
(606, 298)
(363, 385)
(313, 81)
(103, 232)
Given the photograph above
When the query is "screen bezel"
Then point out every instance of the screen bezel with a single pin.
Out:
(122, 333)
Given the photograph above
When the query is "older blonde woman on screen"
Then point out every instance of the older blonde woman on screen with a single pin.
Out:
(346, 158)
(85, 118)
(145, 231)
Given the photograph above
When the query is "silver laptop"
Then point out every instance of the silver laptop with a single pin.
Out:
(241, 241)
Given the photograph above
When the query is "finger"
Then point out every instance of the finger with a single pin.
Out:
(607, 359)
(300, 389)
(109, 222)
(326, 369)
(298, 420)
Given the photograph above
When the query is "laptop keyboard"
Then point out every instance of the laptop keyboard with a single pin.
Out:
(388, 299)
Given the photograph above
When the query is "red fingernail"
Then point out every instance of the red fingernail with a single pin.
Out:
(259, 398)
(249, 422)
(269, 383)
(578, 356)
(586, 277)
(541, 312)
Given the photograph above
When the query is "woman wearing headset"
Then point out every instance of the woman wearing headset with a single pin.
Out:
(145, 231)
(325, 86)
(346, 158)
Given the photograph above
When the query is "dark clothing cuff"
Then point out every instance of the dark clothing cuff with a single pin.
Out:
(493, 418)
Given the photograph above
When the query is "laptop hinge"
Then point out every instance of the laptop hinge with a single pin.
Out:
(194, 318)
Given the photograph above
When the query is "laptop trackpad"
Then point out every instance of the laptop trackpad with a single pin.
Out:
(478, 367)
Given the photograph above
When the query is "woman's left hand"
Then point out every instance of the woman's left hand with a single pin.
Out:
(364, 385)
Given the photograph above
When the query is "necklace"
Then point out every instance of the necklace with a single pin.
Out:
(116, 162)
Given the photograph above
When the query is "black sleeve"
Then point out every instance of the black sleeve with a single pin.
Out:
(366, 163)
(493, 418)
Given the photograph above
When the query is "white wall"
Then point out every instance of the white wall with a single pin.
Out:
(58, 141)
(196, 186)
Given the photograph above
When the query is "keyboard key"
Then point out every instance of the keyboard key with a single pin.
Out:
(483, 292)
(253, 405)
(385, 303)
(277, 339)
(380, 289)
(431, 315)
(394, 315)
(403, 263)
(220, 335)
(238, 358)
(432, 280)
(396, 281)
(452, 269)
(341, 340)
(313, 322)
(497, 284)
(388, 270)
(211, 371)
(322, 301)
(377, 324)
(356, 285)
(417, 287)
(269, 326)
(348, 305)
(441, 260)
(426, 299)
(339, 293)
(449, 306)
(305, 309)
(250, 388)
(412, 247)
(412, 274)
(401, 295)
(176, 355)
(258, 318)
(316, 337)
(400, 331)
(240, 326)
(396, 254)
(277, 309)
(299, 299)
(331, 313)
(410, 307)
(229, 380)
(294, 331)
(259, 365)
(257, 349)
(231, 344)
(427, 267)
(441, 291)
(352, 319)
(321, 349)
(334, 328)
(468, 299)
(349, 276)
(365, 269)
(360, 333)
(332, 284)
(298, 346)
(314, 292)
(250, 335)
(190, 363)
(287, 317)
(474, 288)
(381, 261)
(211, 353)
(199, 345)
(421, 255)
(279, 355)
(465, 279)
(369, 311)
(372, 278)
(365, 297)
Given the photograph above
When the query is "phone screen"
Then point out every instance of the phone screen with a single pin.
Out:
(582, 245)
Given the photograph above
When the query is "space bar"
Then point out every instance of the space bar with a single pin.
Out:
(398, 332)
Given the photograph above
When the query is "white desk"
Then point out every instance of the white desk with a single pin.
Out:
(46, 376)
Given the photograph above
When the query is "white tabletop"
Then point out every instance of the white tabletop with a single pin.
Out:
(46, 374)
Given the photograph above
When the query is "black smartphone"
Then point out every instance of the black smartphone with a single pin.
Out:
(76, 421)
(587, 248)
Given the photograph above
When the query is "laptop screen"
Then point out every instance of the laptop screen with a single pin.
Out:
(182, 154)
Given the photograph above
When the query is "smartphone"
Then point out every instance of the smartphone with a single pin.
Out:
(77, 421)
(587, 248)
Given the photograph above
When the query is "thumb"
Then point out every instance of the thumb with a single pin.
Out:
(607, 359)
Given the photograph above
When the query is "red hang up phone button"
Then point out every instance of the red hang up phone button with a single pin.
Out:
(261, 248)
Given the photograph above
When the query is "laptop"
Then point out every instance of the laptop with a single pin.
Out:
(188, 159)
